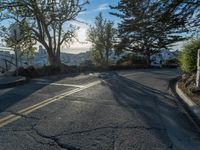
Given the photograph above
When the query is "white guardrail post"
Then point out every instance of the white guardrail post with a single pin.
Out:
(198, 70)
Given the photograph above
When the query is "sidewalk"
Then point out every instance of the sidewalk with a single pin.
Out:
(10, 81)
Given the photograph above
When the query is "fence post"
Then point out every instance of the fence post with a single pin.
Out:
(198, 70)
(6, 64)
(16, 60)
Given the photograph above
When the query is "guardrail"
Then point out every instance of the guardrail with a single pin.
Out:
(7, 63)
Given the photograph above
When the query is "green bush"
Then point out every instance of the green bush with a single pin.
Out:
(132, 60)
(123, 59)
(33, 72)
(173, 61)
(188, 57)
(28, 72)
(138, 60)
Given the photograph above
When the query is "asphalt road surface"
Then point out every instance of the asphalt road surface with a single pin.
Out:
(125, 110)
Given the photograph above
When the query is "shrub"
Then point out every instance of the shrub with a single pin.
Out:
(132, 60)
(172, 62)
(28, 72)
(32, 72)
(126, 63)
(138, 60)
(123, 59)
(188, 57)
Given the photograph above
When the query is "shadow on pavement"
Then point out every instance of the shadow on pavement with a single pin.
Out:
(146, 101)
(12, 96)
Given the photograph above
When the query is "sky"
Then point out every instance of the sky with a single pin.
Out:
(88, 17)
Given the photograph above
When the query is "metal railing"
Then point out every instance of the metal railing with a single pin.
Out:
(6, 63)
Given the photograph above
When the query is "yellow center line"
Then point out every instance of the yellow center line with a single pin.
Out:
(6, 118)
(11, 118)
(9, 121)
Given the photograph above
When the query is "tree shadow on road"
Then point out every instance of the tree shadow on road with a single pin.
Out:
(26, 93)
(157, 109)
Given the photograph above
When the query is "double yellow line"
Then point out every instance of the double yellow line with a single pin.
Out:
(11, 118)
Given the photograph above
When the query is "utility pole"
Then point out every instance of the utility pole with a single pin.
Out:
(16, 36)
(198, 70)
(16, 60)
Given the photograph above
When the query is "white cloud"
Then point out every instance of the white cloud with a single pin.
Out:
(81, 36)
(178, 45)
(84, 12)
(102, 7)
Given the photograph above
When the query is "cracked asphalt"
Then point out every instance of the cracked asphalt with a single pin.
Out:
(123, 110)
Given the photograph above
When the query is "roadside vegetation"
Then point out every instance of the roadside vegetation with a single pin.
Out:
(188, 64)
(133, 60)
(188, 56)
(25, 46)
(172, 62)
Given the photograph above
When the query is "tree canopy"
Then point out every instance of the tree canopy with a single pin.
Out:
(103, 37)
(147, 26)
(49, 21)
(25, 46)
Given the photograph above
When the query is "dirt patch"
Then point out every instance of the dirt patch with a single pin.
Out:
(187, 84)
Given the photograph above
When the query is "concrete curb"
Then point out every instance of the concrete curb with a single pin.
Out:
(191, 107)
(17, 82)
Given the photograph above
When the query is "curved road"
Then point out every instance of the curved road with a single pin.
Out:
(125, 110)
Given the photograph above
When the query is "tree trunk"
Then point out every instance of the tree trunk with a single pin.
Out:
(107, 59)
(198, 70)
(54, 59)
(148, 59)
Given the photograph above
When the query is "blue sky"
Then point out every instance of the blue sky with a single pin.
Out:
(97, 6)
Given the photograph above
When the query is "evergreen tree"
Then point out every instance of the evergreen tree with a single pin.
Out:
(147, 26)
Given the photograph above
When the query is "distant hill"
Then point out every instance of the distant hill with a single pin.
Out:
(75, 59)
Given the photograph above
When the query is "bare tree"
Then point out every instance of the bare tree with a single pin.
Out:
(49, 21)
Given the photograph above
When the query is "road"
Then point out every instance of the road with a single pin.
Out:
(124, 110)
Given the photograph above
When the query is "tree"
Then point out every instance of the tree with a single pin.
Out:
(102, 36)
(147, 26)
(25, 46)
(188, 56)
(49, 21)
(187, 11)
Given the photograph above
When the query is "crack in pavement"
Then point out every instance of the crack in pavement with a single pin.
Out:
(108, 102)
(22, 115)
(112, 127)
(114, 141)
(55, 138)
(56, 141)
(50, 143)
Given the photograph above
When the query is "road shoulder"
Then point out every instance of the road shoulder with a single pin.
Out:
(192, 108)
(11, 81)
